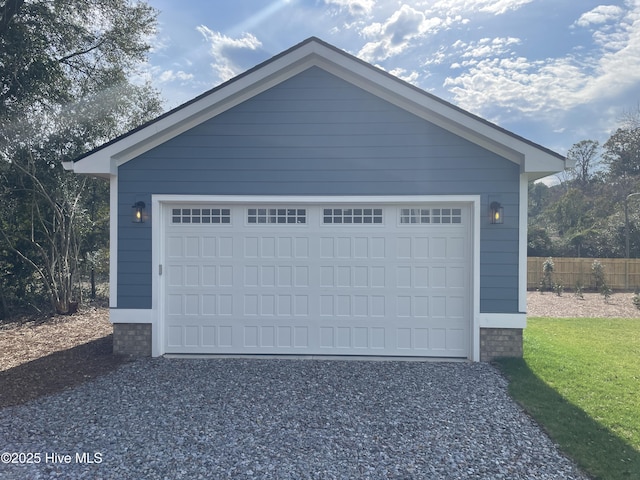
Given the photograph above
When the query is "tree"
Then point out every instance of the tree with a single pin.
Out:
(571, 212)
(585, 155)
(65, 69)
(622, 153)
(538, 198)
(622, 149)
(539, 243)
(55, 52)
(53, 242)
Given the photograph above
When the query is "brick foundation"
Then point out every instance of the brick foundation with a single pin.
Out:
(500, 342)
(135, 339)
(132, 339)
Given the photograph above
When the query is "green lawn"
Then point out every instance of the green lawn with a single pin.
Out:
(580, 379)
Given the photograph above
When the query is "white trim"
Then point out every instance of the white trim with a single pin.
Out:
(141, 316)
(132, 315)
(160, 202)
(475, 309)
(522, 243)
(339, 358)
(314, 199)
(503, 320)
(531, 158)
(113, 241)
(157, 286)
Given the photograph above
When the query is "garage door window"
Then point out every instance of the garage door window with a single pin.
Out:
(352, 215)
(276, 215)
(430, 216)
(200, 215)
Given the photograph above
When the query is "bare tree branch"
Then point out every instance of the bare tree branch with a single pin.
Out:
(79, 53)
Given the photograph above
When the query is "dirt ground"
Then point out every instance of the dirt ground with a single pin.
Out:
(48, 355)
(44, 356)
(619, 305)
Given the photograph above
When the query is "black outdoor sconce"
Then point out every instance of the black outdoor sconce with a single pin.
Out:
(497, 213)
(138, 212)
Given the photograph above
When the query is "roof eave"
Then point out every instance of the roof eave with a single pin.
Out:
(532, 158)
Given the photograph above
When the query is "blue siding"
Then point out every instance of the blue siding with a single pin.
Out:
(316, 134)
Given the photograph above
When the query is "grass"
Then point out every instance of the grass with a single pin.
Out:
(580, 379)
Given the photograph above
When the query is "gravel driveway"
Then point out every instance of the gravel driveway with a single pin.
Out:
(281, 419)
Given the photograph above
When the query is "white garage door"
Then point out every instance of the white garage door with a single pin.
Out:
(318, 279)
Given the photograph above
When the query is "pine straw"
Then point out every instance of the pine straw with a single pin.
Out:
(45, 356)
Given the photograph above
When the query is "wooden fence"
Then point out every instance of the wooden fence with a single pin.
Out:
(620, 273)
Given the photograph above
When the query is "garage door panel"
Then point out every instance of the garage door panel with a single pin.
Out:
(174, 276)
(438, 247)
(285, 276)
(174, 305)
(389, 288)
(174, 336)
(209, 336)
(175, 247)
(347, 338)
(210, 247)
(209, 275)
(209, 304)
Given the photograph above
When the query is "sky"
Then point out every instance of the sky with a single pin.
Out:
(553, 71)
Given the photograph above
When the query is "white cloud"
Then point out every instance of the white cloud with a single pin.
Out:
(409, 77)
(394, 36)
(495, 7)
(500, 6)
(519, 84)
(600, 14)
(171, 76)
(493, 76)
(354, 7)
(221, 46)
(412, 21)
(487, 47)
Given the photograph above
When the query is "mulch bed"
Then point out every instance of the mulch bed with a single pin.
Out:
(45, 356)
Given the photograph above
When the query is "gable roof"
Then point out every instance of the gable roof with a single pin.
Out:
(535, 160)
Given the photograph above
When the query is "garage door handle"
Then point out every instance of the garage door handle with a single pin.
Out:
(160, 269)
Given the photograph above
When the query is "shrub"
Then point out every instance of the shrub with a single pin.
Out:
(606, 292)
(546, 282)
(636, 299)
(558, 289)
(597, 270)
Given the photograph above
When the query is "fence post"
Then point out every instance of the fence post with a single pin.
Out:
(626, 274)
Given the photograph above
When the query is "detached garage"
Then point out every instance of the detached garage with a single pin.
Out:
(316, 205)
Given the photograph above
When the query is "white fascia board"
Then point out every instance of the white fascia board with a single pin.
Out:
(98, 166)
(458, 122)
(419, 104)
(538, 162)
(544, 170)
(106, 160)
(361, 74)
(208, 107)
